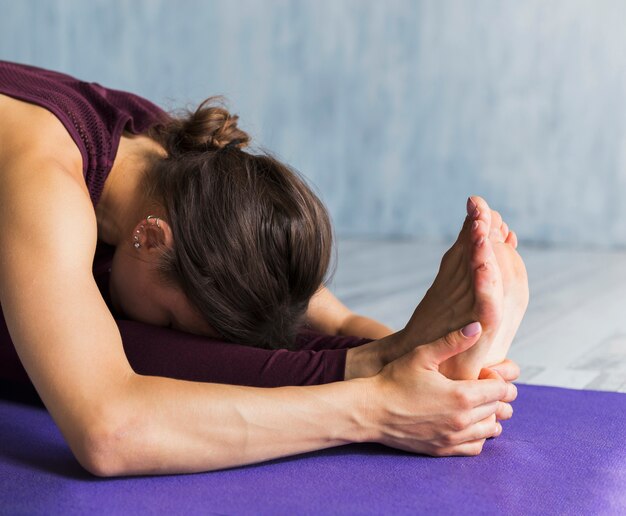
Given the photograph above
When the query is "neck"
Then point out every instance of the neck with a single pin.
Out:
(123, 202)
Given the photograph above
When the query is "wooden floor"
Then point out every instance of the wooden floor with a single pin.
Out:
(574, 332)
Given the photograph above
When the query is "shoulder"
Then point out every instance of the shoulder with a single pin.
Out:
(40, 169)
(43, 198)
(28, 131)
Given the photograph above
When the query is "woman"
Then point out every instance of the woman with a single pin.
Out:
(215, 241)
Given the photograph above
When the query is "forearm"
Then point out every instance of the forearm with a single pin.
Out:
(360, 326)
(174, 426)
(368, 359)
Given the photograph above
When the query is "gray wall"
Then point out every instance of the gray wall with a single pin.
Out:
(395, 110)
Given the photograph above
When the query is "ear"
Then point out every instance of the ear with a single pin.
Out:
(153, 234)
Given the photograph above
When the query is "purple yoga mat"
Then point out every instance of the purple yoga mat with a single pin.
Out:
(564, 452)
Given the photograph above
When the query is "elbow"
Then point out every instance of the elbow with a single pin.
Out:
(100, 448)
(98, 458)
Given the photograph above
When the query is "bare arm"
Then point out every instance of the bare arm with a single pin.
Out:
(329, 315)
(117, 422)
(114, 420)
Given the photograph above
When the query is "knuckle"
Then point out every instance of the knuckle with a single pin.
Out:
(449, 340)
(462, 399)
(504, 410)
(459, 422)
(447, 440)
(504, 391)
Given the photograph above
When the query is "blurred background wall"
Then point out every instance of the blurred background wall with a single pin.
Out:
(396, 110)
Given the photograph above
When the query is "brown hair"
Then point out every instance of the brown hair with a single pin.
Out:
(252, 242)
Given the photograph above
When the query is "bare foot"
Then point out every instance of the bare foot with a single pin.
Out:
(482, 272)
(465, 290)
(450, 302)
(475, 283)
(514, 281)
(515, 301)
(468, 287)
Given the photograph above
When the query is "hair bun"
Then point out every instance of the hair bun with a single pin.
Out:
(210, 127)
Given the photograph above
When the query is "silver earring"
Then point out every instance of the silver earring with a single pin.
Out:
(136, 243)
(156, 219)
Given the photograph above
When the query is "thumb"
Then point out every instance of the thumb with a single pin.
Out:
(449, 345)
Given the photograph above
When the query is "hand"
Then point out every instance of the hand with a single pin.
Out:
(509, 371)
(416, 408)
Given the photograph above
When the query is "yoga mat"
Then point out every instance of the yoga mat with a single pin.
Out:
(563, 452)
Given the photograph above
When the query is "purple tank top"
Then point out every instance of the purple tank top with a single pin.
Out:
(93, 115)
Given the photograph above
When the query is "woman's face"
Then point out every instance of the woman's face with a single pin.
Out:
(138, 293)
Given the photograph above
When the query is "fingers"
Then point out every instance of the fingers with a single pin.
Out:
(470, 435)
(483, 412)
(473, 393)
(470, 449)
(511, 393)
(501, 409)
(507, 369)
(504, 411)
(483, 429)
(432, 354)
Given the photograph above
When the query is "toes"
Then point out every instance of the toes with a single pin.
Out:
(487, 286)
(511, 239)
(481, 249)
(504, 229)
(496, 220)
(496, 231)
(478, 209)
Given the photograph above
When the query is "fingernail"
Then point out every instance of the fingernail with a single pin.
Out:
(476, 213)
(471, 206)
(498, 428)
(471, 329)
(480, 242)
(475, 225)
